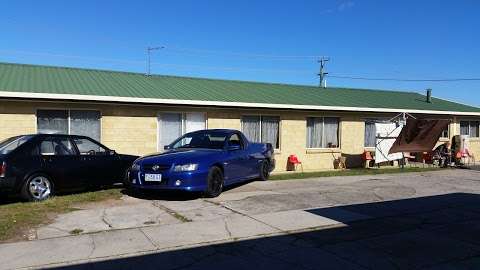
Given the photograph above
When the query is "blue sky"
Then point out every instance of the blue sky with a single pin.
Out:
(270, 41)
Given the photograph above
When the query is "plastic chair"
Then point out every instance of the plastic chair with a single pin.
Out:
(367, 157)
(293, 159)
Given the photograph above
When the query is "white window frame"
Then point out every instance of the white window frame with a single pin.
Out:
(323, 132)
(261, 119)
(68, 117)
(184, 121)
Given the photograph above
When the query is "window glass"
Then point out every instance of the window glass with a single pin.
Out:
(52, 121)
(235, 140)
(57, 146)
(330, 131)
(170, 128)
(251, 128)
(474, 129)
(194, 121)
(76, 122)
(464, 128)
(88, 147)
(370, 134)
(11, 144)
(314, 132)
(264, 129)
(445, 132)
(270, 130)
(470, 128)
(322, 132)
(201, 139)
(86, 123)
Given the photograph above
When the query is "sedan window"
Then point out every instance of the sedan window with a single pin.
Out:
(57, 147)
(88, 147)
(11, 144)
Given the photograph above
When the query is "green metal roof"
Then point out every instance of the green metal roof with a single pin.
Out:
(23, 78)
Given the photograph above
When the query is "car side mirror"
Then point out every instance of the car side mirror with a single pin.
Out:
(233, 147)
(112, 152)
(166, 147)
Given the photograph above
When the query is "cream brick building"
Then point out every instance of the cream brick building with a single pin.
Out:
(134, 114)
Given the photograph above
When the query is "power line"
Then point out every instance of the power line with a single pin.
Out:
(292, 71)
(403, 79)
(238, 54)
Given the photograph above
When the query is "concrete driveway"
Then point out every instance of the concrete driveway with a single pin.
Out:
(401, 221)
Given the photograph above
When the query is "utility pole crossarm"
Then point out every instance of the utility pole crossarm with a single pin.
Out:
(323, 61)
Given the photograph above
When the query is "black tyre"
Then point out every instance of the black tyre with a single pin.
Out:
(38, 187)
(264, 170)
(214, 182)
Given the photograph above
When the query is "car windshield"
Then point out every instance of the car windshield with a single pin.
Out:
(210, 140)
(10, 144)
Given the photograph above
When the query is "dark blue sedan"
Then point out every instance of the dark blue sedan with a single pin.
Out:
(203, 161)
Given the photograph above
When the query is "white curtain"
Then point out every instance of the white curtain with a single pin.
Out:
(330, 132)
(370, 134)
(464, 128)
(52, 121)
(474, 129)
(194, 121)
(170, 128)
(270, 130)
(251, 128)
(314, 132)
(85, 123)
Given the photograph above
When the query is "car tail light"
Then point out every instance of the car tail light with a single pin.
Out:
(3, 168)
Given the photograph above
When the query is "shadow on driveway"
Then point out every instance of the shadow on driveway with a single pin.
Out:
(438, 232)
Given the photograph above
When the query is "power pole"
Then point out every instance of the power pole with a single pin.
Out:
(323, 61)
(149, 49)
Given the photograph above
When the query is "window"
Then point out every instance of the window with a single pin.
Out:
(57, 146)
(75, 122)
(88, 147)
(173, 125)
(322, 132)
(235, 141)
(445, 132)
(263, 129)
(10, 144)
(470, 128)
(370, 134)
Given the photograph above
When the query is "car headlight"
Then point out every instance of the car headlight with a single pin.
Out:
(135, 167)
(185, 167)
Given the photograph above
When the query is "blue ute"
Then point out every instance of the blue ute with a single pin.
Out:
(203, 161)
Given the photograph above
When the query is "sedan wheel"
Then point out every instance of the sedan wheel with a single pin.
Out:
(214, 182)
(37, 188)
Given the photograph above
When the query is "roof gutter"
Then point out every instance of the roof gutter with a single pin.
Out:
(29, 95)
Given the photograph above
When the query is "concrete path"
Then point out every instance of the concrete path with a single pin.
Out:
(419, 220)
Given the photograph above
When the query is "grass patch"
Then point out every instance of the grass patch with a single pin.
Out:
(76, 231)
(16, 218)
(350, 172)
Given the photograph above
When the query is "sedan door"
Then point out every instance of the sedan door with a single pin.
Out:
(60, 159)
(102, 164)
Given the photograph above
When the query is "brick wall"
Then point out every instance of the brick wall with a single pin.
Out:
(133, 129)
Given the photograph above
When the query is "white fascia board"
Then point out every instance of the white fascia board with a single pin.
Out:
(29, 95)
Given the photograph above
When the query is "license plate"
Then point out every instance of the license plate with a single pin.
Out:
(153, 177)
